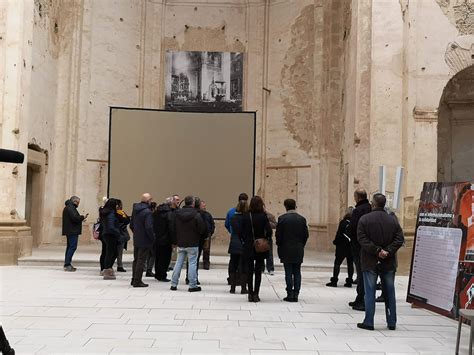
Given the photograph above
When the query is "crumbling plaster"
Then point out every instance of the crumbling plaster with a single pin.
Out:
(346, 83)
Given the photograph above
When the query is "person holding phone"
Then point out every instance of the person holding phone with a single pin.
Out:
(72, 229)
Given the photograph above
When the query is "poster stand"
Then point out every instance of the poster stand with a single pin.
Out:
(442, 268)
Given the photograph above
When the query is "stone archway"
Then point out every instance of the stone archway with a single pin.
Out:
(456, 128)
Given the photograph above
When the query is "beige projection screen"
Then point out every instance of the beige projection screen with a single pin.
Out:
(210, 155)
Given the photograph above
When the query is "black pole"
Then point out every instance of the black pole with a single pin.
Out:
(5, 348)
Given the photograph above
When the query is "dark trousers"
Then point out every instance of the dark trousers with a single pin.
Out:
(269, 260)
(120, 248)
(206, 252)
(139, 258)
(340, 256)
(110, 250)
(360, 277)
(254, 266)
(151, 258)
(293, 276)
(102, 254)
(234, 263)
(162, 261)
(70, 248)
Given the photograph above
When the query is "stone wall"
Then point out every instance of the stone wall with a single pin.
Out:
(340, 87)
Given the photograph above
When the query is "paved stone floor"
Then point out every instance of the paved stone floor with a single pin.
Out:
(47, 311)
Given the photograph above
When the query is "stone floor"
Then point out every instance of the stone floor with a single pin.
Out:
(47, 311)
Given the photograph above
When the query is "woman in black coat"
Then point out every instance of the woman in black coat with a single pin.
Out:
(343, 251)
(236, 250)
(255, 225)
(110, 235)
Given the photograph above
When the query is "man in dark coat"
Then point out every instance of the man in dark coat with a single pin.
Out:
(161, 221)
(143, 237)
(380, 236)
(362, 207)
(188, 231)
(72, 228)
(291, 237)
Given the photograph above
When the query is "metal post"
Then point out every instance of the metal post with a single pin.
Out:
(382, 177)
(398, 188)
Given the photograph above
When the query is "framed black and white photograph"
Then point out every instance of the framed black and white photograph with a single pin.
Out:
(204, 81)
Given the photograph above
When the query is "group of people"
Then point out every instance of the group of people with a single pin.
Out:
(368, 236)
(249, 224)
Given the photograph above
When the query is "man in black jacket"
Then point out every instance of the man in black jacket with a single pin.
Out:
(380, 236)
(143, 237)
(188, 230)
(161, 224)
(362, 207)
(291, 237)
(72, 228)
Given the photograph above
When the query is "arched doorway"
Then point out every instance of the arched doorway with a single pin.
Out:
(456, 129)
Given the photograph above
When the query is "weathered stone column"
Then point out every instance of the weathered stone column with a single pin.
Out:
(15, 32)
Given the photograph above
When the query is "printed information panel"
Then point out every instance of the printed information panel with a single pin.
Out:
(435, 264)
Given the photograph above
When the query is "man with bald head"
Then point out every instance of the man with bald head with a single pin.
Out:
(143, 237)
(362, 207)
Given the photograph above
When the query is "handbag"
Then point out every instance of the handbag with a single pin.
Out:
(261, 245)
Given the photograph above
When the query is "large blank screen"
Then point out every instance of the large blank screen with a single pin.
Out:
(210, 155)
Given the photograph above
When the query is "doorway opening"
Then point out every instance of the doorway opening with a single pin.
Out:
(456, 129)
(35, 190)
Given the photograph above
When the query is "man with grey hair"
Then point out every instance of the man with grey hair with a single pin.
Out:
(72, 228)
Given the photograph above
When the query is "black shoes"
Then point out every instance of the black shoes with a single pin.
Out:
(253, 297)
(187, 282)
(140, 284)
(348, 283)
(121, 269)
(391, 327)
(206, 266)
(173, 288)
(194, 289)
(380, 299)
(164, 280)
(358, 307)
(331, 284)
(149, 274)
(364, 326)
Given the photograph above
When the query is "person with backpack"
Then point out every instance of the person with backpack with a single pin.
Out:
(343, 251)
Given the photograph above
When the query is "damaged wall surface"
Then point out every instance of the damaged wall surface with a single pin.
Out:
(339, 87)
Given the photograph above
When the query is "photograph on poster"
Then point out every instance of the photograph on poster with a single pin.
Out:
(204, 81)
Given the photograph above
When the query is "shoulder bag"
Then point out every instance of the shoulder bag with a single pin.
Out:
(261, 245)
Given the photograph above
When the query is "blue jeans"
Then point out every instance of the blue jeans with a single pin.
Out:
(70, 249)
(192, 254)
(293, 277)
(388, 289)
